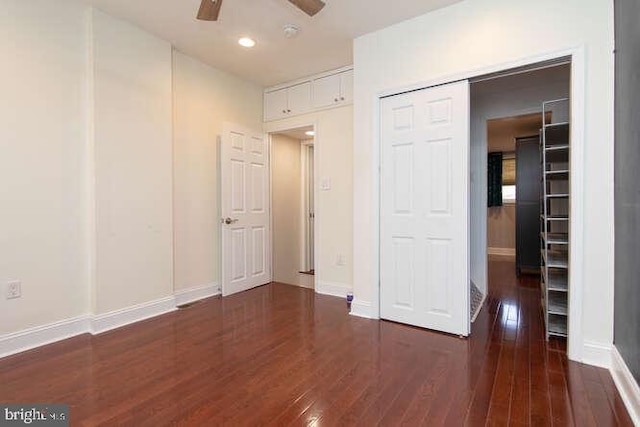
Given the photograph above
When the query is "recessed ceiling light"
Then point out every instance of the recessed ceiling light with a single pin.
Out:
(310, 133)
(247, 42)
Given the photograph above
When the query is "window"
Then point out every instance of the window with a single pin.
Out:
(508, 178)
(508, 194)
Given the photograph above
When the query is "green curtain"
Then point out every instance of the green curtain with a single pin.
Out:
(494, 181)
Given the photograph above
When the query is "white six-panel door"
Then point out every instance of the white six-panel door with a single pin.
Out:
(244, 170)
(424, 220)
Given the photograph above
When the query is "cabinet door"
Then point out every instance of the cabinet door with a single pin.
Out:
(346, 87)
(326, 91)
(299, 98)
(275, 104)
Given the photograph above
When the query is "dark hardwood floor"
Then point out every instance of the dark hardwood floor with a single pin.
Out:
(281, 355)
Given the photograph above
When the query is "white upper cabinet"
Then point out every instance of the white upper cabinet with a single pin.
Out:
(325, 91)
(346, 82)
(275, 104)
(299, 98)
(333, 90)
(288, 101)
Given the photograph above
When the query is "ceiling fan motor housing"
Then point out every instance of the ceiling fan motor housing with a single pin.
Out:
(210, 9)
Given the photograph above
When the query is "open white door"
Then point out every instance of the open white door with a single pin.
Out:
(244, 177)
(424, 219)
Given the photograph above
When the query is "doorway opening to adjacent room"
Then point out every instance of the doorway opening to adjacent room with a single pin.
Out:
(520, 125)
(293, 206)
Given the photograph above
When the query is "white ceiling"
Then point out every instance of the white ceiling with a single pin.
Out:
(324, 42)
(298, 133)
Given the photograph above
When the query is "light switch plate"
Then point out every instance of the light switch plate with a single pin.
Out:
(325, 184)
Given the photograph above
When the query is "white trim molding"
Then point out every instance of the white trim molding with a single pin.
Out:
(626, 384)
(28, 339)
(186, 296)
(307, 281)
(597, 354)
(332, 289)
(126, 316)
(363, 309)
(506, 252)
(42, 335)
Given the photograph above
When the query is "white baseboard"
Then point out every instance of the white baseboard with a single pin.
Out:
(41, 335)
(596, 354)
(306, 280)
(46, 334)
(118, 318)
(185, 296)
(508, 252)
(626, 385)
(332, 289)
(363, 309)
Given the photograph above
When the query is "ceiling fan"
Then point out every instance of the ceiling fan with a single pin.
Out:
(210, 9)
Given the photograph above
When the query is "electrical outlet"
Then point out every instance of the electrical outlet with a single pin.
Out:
(14, 289)
(340, 260)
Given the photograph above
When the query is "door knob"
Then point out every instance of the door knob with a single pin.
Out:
(228, 220)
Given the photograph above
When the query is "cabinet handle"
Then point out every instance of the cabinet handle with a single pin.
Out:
(288, 111)
(284, 111)
(335, 99)
(342, 98)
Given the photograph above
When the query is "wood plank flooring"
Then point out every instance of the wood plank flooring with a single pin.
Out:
(281, 355)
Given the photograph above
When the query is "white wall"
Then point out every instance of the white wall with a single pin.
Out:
(286, 197)
(491, 99)
(476, 35)
(204, 98)
(42, 159)
(333, 151)
(132, 144)
(501, 229)
(86, 166)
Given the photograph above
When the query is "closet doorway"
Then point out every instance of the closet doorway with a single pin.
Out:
(513, 145)
(500, 92)
(293, 206)
(520, 208)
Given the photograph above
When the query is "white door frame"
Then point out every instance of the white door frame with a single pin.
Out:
(578, 78)
(270, 129)
(306, 253)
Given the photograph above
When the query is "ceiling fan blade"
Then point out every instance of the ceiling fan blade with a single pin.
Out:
(310, 7)
(209, 10)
